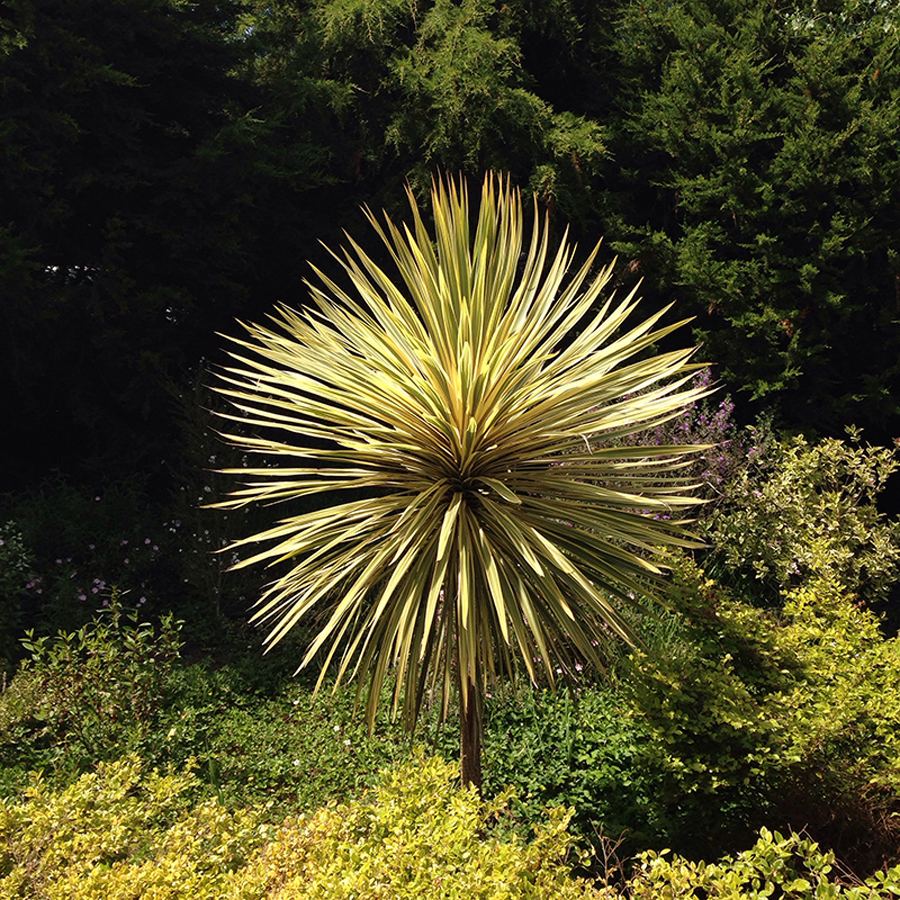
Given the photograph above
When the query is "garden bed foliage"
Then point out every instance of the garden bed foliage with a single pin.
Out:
(766, 697)
(125, 833)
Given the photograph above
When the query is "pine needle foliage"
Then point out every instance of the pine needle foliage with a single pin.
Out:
(475, 408)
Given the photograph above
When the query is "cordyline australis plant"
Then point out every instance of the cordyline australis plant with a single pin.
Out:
(474, 408)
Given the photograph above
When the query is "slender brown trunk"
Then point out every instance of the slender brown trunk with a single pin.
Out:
(470, 736)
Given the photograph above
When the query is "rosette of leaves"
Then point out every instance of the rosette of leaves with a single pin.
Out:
(472, 411)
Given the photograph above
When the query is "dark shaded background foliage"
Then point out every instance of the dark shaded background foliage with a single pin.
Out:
(166, 166)
(768, 134)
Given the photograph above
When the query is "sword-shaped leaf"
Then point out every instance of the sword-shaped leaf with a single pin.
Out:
(481, 399)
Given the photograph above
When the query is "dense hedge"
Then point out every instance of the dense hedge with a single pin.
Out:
(161, 162)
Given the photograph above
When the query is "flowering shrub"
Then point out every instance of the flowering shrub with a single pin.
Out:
(80, 544)
(706, 421)
(710, 421)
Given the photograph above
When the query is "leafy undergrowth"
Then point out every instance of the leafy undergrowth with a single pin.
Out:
(791, 867)
(123, 833)
(119, 686)
(737, 718)
(769, 700)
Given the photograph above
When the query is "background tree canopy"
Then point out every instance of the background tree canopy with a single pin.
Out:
(759, 173)
(167, 165)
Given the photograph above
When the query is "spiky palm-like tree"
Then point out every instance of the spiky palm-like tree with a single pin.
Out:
(475, 408)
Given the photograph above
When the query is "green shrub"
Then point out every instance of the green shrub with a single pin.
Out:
(733, 717)
(812, 513)
(418, 835)
(582, 750)
(294, 749)
(118, 685)
(845, 706)
(839, 725)
(753, 718)
(701, 696)
(122, 833)
(792, 868)
(90, 694)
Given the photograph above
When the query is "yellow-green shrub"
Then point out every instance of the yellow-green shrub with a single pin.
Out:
(843, 716)
(791, 868)
(418, 835)
(755, 717)
(811, 513)
(119, 833)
